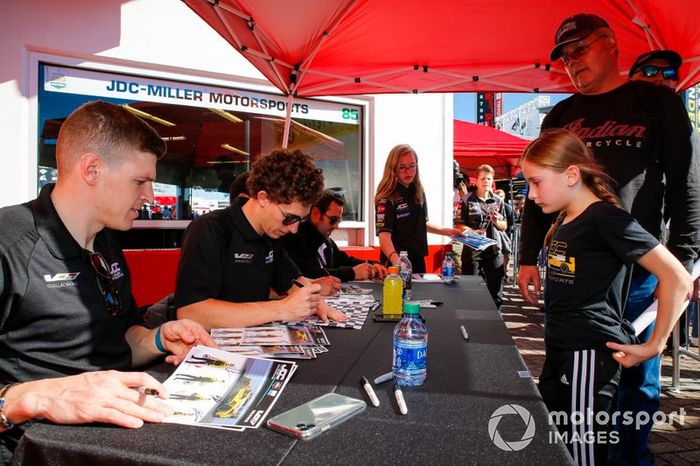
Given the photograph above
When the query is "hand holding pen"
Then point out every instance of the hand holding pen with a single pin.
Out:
(300, 302)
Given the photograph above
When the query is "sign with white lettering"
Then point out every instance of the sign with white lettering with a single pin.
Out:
(99, 84)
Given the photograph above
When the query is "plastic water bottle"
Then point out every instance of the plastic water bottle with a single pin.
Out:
(406, 271)
(393, 289)
(448, 269)
(410, 364)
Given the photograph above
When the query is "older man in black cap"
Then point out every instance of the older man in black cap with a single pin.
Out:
(658, 67)
(640, 133)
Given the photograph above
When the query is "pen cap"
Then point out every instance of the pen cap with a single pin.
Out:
(411, 308)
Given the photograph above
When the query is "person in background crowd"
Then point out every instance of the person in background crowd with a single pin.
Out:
(238, 186)
(68, 322)
(658, 66)
(507, 235)
(401, 210)
(661, 67)
(518, 205)
(590, 251)
(460, 190)
(232, 257)
(640, 134)
(484, 212)
(315, 253)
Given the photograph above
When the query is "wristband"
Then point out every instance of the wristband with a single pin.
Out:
(159, 344)
(391, 254)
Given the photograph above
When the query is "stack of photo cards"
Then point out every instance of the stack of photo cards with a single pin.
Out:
(356, 307)
(214, 388)
(474, 241)
(294, 341)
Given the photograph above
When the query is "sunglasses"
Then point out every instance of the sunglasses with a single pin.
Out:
(110, 296)
(579, 51)
(291, 219)
(333, 219)
(667, 72)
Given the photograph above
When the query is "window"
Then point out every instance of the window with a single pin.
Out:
(213, 135)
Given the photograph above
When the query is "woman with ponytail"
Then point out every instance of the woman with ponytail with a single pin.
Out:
(590, 252)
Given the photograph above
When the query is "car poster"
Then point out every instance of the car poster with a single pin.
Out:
(215, 388)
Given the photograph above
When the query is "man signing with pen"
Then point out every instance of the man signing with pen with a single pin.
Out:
(315, 253)
(68, 322)
(232, 258)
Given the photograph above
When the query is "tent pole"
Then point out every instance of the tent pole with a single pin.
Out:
(287, 121)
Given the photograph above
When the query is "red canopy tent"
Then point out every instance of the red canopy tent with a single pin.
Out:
(334, 47)
(475, 145)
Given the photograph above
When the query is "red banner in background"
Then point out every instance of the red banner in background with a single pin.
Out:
(489, 105)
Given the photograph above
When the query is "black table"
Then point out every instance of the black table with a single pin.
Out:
(447, 422)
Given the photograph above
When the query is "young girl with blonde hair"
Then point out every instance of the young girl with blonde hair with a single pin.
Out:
(590, 252)
(401, 210)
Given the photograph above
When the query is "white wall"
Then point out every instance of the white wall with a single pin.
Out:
(424, 121)
(164, 38)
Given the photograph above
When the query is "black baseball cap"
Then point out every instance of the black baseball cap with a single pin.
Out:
(575, 28)
(673, 58)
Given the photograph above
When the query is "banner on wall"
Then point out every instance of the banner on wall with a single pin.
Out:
(117, 86)
(692, 104)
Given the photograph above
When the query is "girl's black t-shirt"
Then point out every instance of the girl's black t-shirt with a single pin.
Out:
(588, 272)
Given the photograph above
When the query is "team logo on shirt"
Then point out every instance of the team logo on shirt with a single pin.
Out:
(116, 271)
(270, 257)
(60, 280)
(61, 277)
(243, 258)
(560, 267)
(402, 209)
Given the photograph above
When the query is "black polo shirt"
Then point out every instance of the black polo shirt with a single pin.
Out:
(406, 221)
(303, 249)
(224, 258)
(53, 320)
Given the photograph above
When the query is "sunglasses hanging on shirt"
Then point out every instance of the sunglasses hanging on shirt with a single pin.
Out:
(110, 296)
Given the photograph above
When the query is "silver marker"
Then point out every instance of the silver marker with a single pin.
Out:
(398, 394)
(384, 378)
(370, 391)
(464, 332)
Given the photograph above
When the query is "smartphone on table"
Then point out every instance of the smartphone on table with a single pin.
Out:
(310, 419)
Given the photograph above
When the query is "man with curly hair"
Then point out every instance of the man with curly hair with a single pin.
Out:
(232, 259)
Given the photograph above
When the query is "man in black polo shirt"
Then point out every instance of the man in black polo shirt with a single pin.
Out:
(231, 259)
(65, 295)
(315, 253)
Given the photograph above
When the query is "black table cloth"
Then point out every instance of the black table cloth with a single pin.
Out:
(447, 422)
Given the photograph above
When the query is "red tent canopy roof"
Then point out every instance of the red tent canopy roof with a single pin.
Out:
(334, 47)
(475, 145)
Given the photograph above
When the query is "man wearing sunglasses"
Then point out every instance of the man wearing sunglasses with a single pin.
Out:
(232, 261)
(641, 134)
(315, 252)
(658, 67)
(66, 310)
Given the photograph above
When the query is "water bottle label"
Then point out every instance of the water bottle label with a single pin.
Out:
(410, 357)
(448, 271)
